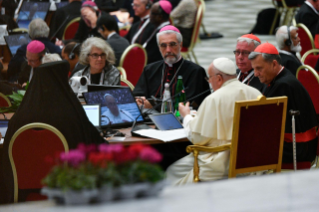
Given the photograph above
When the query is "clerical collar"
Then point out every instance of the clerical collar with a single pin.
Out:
(171, 65)
(145, 17)
(282, 68)
(110, 35)
(310, 5)
(290, 54)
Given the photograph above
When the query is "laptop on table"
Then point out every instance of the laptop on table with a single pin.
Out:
(15, 41)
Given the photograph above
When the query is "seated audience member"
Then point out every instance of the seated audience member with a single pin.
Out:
(35, 52)
(280, 82)
(64, 14)
(113, 114)
(184, 19)
(71, 53)
(245, 73)
(288, 46)
(89, 16)
(98, 57)
(212, 125)
(155, 75)
(38, 30)
(48, 100)
(308, 15)
(108, 28)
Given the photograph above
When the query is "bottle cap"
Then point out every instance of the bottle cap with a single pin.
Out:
(180, 77)
(166, 85)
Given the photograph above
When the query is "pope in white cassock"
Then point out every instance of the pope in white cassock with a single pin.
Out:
(114, 114)
(212, 125)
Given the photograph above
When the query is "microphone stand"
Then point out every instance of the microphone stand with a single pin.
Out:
(108, 132)
(54, 34)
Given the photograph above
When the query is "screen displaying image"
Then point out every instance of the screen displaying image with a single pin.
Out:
(118, 106)
(61, 4)
(93, 113)
(30, 11)
(15, 41)
(166, 121)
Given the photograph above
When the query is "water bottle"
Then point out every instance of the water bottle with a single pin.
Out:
(167, 101)
(180, 94)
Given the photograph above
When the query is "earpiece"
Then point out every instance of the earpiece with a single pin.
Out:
(288, 41)
(72, 55)
(148, 5)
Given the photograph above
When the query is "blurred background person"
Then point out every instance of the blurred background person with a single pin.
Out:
(71, 53)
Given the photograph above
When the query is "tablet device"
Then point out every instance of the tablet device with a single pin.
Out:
(93, 112)
(165, 121)
(15, 41)
(118, 106)
(3, 127)
(30, 11)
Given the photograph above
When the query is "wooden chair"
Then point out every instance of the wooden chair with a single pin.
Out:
(28, 149)
(125, 82)
(257, 139)
(4, 101)
(310, 57)
(198, 21)
(133, 61)
(306, 39)
(71, 29)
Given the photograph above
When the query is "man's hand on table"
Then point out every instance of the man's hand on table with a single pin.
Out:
(142, 100)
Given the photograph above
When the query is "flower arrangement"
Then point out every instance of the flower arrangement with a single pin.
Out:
(94, 167)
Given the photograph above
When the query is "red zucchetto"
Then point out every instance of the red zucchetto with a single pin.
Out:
(251, 36)
(35, 47)
(169, 27)
(266, 48)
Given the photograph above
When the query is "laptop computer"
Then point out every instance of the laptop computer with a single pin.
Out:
(61, 4)
(15, 41)
(93, 112)
(30, 11)
(118, 106)
(165, 121)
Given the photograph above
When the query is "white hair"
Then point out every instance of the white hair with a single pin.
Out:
(248, 40)
(38, 28)
(48, 58)
(282, 35)
(178, 35)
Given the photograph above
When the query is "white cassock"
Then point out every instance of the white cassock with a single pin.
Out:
(212, 126)
(122, 117)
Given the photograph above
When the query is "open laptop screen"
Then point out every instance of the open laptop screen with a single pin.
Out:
(93, 113)
(15, 41)
(30, 11)
(118, 106)
(3, 127)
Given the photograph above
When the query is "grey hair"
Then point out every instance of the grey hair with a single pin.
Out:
(267, 57)
(178, 35)
(38, 28)
(99, 43)
(47, 58)
(282, 35)
(248, 40)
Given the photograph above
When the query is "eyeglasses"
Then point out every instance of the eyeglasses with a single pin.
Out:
(96, 56)
(244, 53)
(135, 5)
(171, 44)
(32, 61)
(208, 78)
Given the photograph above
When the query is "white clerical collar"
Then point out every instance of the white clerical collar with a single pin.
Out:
(145, 17)
(310, 5)
(285, 52)
(171, 65)
(282, 68)
(110, 35)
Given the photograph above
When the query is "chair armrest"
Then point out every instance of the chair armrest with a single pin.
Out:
(196, 148)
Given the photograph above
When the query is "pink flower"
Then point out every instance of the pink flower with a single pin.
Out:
(150, 154)
(111, 148)
(73, 157)
(87, 148)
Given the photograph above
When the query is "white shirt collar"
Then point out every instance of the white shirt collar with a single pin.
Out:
(145, 17)
(110, 35)
(310, 5)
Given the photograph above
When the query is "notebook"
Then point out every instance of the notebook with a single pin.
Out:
(165, 121)
(15, 41)
(30, 11)
(118, 106)
(93, 112)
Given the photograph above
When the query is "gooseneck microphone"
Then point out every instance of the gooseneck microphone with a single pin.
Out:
(126, 115)
(54, 34)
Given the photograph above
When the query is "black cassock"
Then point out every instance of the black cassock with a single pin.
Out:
(285, 84)
(49, 99)
(151, 82)
(291, 62)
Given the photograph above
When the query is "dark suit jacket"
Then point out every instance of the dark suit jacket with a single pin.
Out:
(69, 12)
(291, 63)
(308, 17)
(118, 45)
(16, 62)
(153, 53)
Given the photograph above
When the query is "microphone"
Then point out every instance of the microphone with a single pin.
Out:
(108, 132)
(126, 114)
(54, 34)
(197, 95)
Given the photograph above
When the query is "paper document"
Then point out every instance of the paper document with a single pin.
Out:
(164, 135)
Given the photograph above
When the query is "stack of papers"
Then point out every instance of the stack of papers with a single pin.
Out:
(164, 135)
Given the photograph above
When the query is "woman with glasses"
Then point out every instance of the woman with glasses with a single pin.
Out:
(98, 57)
